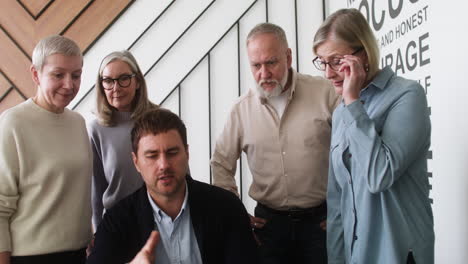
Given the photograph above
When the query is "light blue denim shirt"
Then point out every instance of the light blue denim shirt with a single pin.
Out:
(378, 186)
(178, 243)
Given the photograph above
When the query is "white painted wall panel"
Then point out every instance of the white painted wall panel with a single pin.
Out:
(172, 102)
(195, 113)
(309, 18)
(282, 13)
(87, 107)
(449, 94)
(166, 31)
(224, 80)
(225, 84)
(194, 45)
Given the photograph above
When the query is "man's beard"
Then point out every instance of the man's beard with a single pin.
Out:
(275, 91)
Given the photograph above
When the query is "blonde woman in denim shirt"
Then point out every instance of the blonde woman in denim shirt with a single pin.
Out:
(378, 189)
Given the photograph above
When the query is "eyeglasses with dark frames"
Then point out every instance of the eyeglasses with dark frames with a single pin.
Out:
(123, 80)
(334, 63)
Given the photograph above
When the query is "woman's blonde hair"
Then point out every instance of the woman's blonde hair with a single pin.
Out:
(140, 104)
(350, 27)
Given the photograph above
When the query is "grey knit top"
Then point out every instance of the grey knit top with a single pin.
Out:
(114, 174)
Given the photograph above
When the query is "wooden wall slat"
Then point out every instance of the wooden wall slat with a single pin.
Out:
(35, 6)
(4, 85)
(27, 31)
(95, 20)
(13, 98)
(57, 17)
(15, 65)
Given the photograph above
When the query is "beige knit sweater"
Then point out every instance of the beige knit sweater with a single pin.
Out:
(45, 181)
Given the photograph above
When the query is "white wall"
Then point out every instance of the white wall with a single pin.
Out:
(450, 129)
(440, 41)
(195, 60)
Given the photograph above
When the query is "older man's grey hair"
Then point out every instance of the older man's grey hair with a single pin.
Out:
(54, 44)
(268, 28)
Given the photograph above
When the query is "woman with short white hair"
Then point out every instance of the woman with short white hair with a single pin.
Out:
(45, 164)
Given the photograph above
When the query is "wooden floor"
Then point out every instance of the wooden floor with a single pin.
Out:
(24, 22)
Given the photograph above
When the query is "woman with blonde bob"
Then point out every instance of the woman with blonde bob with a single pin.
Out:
(122, 97)
(378, 189)
(45, 164)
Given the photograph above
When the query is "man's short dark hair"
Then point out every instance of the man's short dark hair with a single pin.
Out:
(157, 121)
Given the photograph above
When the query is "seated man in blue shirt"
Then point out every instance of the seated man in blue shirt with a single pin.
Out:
(195, 222)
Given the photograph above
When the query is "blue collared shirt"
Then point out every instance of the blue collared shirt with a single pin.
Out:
(378, 187)
(178, 243)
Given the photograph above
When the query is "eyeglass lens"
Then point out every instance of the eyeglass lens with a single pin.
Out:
(334, 64)
(123, 81)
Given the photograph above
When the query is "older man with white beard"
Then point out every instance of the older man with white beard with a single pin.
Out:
(284, 126)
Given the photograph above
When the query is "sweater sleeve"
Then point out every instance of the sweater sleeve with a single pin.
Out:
(99, 182)
(9, 177)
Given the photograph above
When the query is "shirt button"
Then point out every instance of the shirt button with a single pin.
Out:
(355, 237)
(284, 152)
(285, 175)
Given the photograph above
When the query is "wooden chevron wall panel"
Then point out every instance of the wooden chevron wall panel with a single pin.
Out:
(4, 84)
(14, 65)
(35, 7)
(24, 22)
(11, 97)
